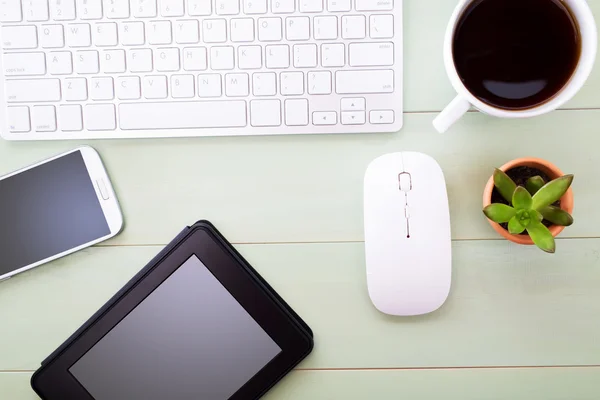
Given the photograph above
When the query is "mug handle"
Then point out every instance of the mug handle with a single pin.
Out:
(452, 113)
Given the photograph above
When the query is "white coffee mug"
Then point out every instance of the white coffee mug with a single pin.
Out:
(464, 100)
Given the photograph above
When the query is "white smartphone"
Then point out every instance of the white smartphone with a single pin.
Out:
(54, 208)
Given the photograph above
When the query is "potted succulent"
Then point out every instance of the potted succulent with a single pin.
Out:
(529, 201)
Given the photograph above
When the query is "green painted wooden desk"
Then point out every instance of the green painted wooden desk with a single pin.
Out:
(519, 324)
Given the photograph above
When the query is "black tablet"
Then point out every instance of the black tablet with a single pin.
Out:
(198, 322)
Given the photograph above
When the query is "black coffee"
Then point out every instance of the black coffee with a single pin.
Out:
(516, 54)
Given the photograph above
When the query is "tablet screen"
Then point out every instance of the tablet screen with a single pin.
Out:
(189, 339)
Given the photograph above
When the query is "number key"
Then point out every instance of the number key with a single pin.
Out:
(89, 9)
(62, 10)
(228, 7)
(144, 8)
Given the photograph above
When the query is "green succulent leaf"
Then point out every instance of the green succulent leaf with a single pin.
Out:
(541, 236)
(533, 214)
(557, 216)
(551, 192)
(504, 184)
(521, 199)
(534, 184)
(523, 217)
(499, 213)
(515, 227)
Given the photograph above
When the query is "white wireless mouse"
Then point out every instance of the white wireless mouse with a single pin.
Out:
(407, 234)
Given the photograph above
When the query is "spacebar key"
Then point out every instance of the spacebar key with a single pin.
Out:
(183, 115)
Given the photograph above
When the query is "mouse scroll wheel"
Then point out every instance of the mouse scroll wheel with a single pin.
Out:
(405, 182)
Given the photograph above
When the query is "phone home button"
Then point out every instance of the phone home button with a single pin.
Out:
(103, 190)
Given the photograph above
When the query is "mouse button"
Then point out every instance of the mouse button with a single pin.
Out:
(405, 181)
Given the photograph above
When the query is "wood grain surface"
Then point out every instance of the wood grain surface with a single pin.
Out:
(519, 324)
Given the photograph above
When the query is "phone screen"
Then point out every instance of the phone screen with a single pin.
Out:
(47, 210)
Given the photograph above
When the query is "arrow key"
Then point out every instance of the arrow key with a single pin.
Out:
(353, 117)
(381, 116)
(324, 118)
(353, 104)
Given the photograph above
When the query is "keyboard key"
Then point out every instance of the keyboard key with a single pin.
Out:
(199, 7)
(249, 57)
(362, 82)
(296, 112)
(182, 86)
(297, 28)
(305, 55)
(324, 118)
(129, 88)
(70, 118)
(221, 58)
(44, 118)
(132, 33)
(374, 5)
(20, 64)
(102, 89)
(32, 90)
(209, 85)
(144, 8)
(354, 27)
(166, 60)
(159, 32)
(269, 29)
(62, 10)
(264, 84)
(319, 82)
(100, 117)
(333, 55)
(381, 26)
(139, 60)
(187, 32)
(255, 6)
(325, 28)
(371, 54)
(79, 35)
(227, 7)
(60, 63)
(353, 118)
(382, 116)
(187, 115)
(278, 56)
(310, 6)
(214, 30)
(155, 87)
(292, 83)
(10, 11)
(116, 9)
(87, 62)
(18, 119)
(75, 89)
(194, 59)
(113, 61)
(353, 104)
(339, 5)
(52, 37)
(237, 85)
(89, 9)
(265, 113)
(105, 34)
(19, 37)
(36, 10)
(282, 6)
(242, 30)
(171, 8)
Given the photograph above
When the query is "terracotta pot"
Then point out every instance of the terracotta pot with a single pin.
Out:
(566, 202)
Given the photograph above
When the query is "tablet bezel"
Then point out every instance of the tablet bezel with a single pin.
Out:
(54, 381)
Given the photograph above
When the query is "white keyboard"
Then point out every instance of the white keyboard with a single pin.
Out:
(90, 69)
